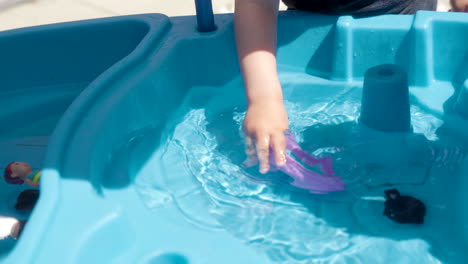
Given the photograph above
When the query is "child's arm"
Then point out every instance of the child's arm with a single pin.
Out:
(459, 5)
(266, 118)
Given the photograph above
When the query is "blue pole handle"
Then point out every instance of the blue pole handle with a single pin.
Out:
(205, 17)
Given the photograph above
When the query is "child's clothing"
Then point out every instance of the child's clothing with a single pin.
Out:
(362, 7)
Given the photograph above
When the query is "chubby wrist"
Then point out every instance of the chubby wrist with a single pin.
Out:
(264, 92)
(265, 99)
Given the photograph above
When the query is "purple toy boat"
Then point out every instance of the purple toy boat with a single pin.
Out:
(305, 178)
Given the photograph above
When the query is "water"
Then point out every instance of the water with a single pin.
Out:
(28, 118)
(291, 225)
(35, 111)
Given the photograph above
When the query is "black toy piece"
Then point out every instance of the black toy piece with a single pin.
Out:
(403, 209)
(27, 199)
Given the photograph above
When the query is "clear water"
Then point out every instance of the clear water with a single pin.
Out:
(291, 225)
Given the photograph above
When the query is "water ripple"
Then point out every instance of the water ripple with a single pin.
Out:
(290, 225)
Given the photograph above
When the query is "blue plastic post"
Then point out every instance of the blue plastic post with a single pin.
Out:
(205, 17)
(385, 99)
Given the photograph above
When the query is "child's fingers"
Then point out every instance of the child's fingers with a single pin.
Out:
(250, 148)
(263, 145)
(278, 141)
(250, 152)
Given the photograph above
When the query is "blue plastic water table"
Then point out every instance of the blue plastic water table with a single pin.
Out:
(93, 103)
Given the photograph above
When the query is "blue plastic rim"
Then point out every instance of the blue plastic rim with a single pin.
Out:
(462, 101)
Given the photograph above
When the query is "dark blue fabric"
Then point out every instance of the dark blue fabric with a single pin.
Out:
(362, 7)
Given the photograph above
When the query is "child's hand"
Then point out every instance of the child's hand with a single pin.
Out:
(459, 5)
(264, 125)
(266, 119)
